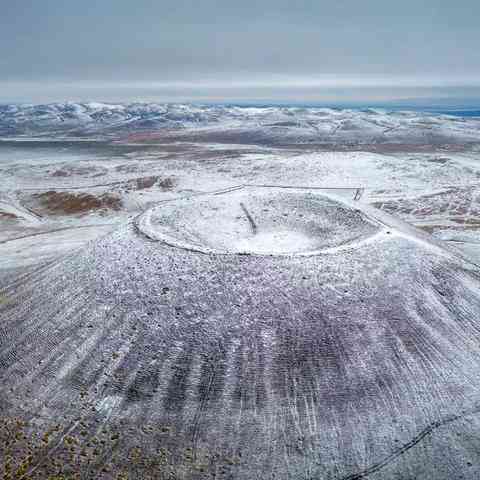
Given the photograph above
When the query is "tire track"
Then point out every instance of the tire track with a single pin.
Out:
(430, 429)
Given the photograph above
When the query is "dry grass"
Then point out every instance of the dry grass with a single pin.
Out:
(143, 183)
(77, 203)
(7, 216)
(60, 452)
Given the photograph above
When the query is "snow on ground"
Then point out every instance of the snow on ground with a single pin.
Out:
(341, 362)
(277, 124)
(121, 159)
(133, 357)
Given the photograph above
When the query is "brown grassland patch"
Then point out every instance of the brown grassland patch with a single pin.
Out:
(77, 203)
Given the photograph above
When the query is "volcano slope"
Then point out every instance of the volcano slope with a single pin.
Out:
(251, 333)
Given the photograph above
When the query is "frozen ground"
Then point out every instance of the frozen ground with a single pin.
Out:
(45, 182)
(259, 332)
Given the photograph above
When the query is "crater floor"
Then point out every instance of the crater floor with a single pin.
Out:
(257, 220)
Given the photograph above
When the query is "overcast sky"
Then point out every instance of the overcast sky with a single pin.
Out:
(251, 49)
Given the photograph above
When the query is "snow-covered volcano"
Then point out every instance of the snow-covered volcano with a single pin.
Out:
(137, 357)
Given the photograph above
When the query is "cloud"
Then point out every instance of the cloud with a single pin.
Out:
(181, 45)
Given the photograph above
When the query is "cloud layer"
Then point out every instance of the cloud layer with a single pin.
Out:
(209, 45)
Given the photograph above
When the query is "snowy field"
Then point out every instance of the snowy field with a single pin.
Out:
(65, 166)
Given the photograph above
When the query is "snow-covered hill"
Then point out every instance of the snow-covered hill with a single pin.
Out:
(249, 124)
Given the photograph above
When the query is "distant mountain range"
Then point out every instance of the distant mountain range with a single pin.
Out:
(251, 123)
